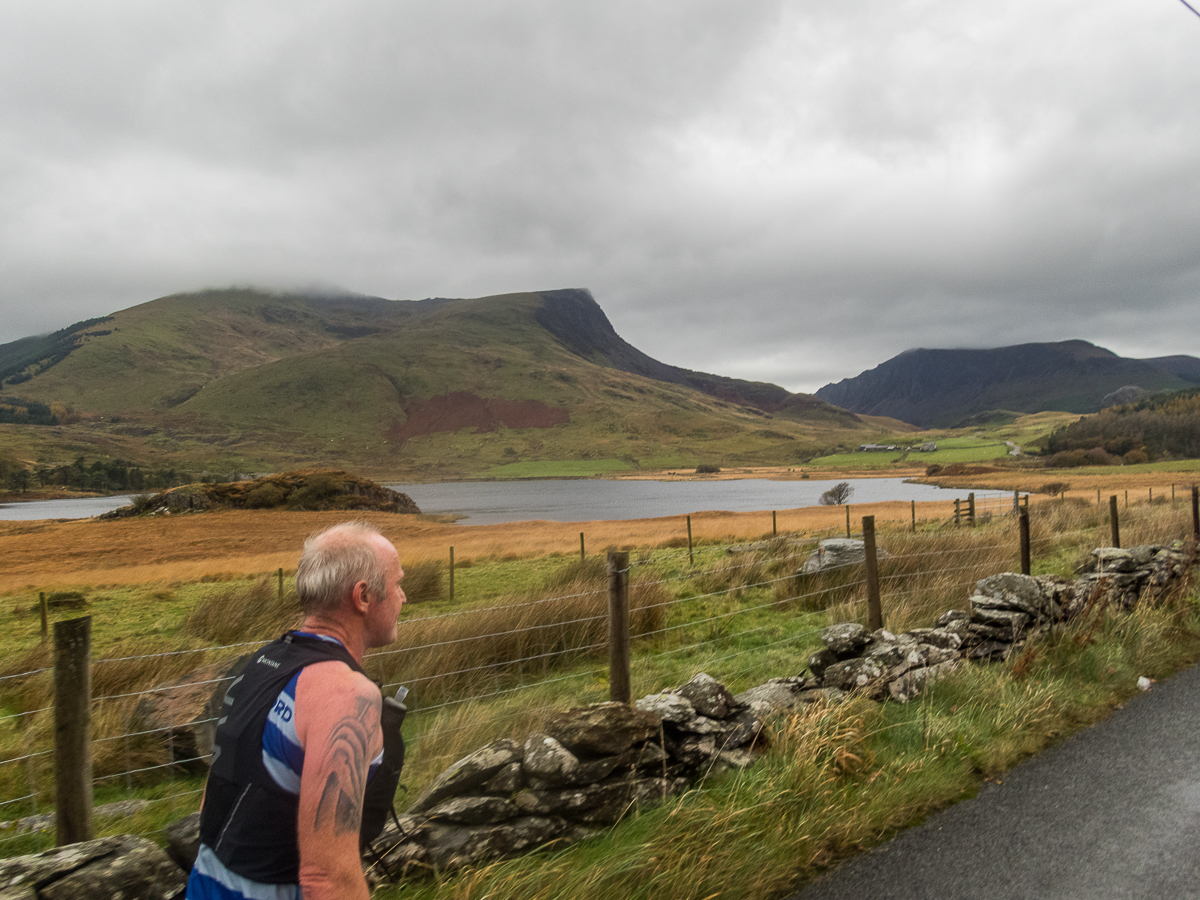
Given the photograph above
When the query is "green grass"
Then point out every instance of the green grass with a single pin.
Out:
(837, 780)
(560, 468)
(950, 450)
(832, 781)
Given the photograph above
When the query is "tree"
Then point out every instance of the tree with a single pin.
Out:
(837, 495)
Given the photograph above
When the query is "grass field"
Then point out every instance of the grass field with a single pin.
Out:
(834, 780)
(567, 468)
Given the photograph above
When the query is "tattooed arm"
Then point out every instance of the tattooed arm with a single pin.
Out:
(337, 719)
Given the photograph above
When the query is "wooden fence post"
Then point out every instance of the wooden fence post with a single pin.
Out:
(913, 510)
(971, 509)
(73, 730)
(1016, 501)
(1116, 525)
(957, 504)
(847, 520)
(281, 584)
(874, 610)
(1196, 512)
(581, 552)
(45, 617)
(774, 525)
(619, 688)
(451, 573)
(1023, 526)
(1127, 499)
(691, 558)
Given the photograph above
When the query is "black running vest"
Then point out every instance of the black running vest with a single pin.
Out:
(247, 820)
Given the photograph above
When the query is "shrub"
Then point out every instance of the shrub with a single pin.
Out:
(314, 495)
(1136, 457)
(266, 496)
(837, 495)
(1054, 487)
(707, 469)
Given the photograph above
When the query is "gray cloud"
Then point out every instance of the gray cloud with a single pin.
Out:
(785, 191)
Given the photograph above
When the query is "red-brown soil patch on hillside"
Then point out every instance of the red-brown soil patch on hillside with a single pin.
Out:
(462, 409)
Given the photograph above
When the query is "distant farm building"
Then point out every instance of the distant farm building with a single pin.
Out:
(877, 448)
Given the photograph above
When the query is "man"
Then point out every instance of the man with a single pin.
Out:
(299, 735)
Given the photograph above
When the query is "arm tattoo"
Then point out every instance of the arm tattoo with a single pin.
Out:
(346, 760)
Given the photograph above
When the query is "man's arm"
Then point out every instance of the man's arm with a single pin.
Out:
(337, 719)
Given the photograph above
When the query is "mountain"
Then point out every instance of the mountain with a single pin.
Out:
(942, 388)
(430, 388)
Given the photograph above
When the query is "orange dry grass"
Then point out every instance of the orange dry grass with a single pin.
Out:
(46, 555)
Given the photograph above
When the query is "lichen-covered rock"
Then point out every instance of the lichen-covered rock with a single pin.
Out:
(475, 810)
(183, 841)
(668, 706)
(1008, 590)
(470, 772)
(1015, 622)
(778, 693)
(603, 729)
(709, 697)
(915, 681)
(548, 760)
(846, 638)
(124, 867)
(833, 553)
(940, 637)
(822, 660)
(508, 780)
(951, 615)
(853, 674)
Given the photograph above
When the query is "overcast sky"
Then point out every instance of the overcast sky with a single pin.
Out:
(782, 191)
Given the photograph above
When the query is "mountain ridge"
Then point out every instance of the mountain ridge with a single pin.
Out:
(945, 387)
(437, 387)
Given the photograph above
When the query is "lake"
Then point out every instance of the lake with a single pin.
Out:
(576, 500)
(494, 502)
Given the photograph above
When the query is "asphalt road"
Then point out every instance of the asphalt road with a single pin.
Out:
(1113, 812)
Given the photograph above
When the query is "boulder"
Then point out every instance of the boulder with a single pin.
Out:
(668, 706)
(833, 553)
(549, 761)
(474, 810)
(822, 660)
(778, 693)
(125, 867)
(914, 681)
(183, 841)
(185, 712)
(470, 772)
(846, 638)
(1008, 590)
(708, 697)
(603, 729)
(853, 674)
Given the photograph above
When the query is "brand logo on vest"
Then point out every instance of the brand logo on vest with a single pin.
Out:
(274, 664)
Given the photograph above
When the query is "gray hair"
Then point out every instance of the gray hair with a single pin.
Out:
(336, 559)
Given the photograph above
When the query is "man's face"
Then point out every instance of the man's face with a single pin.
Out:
(385, 610)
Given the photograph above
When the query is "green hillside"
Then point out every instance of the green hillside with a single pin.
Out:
(421, 389)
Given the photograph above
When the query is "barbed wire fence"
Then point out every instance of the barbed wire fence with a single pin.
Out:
(708, 604)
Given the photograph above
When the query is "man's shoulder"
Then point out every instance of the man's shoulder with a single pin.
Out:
(332, 677)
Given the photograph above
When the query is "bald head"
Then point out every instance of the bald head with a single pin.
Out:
(336, 559)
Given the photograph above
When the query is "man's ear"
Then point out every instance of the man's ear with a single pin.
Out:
(361, 597)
